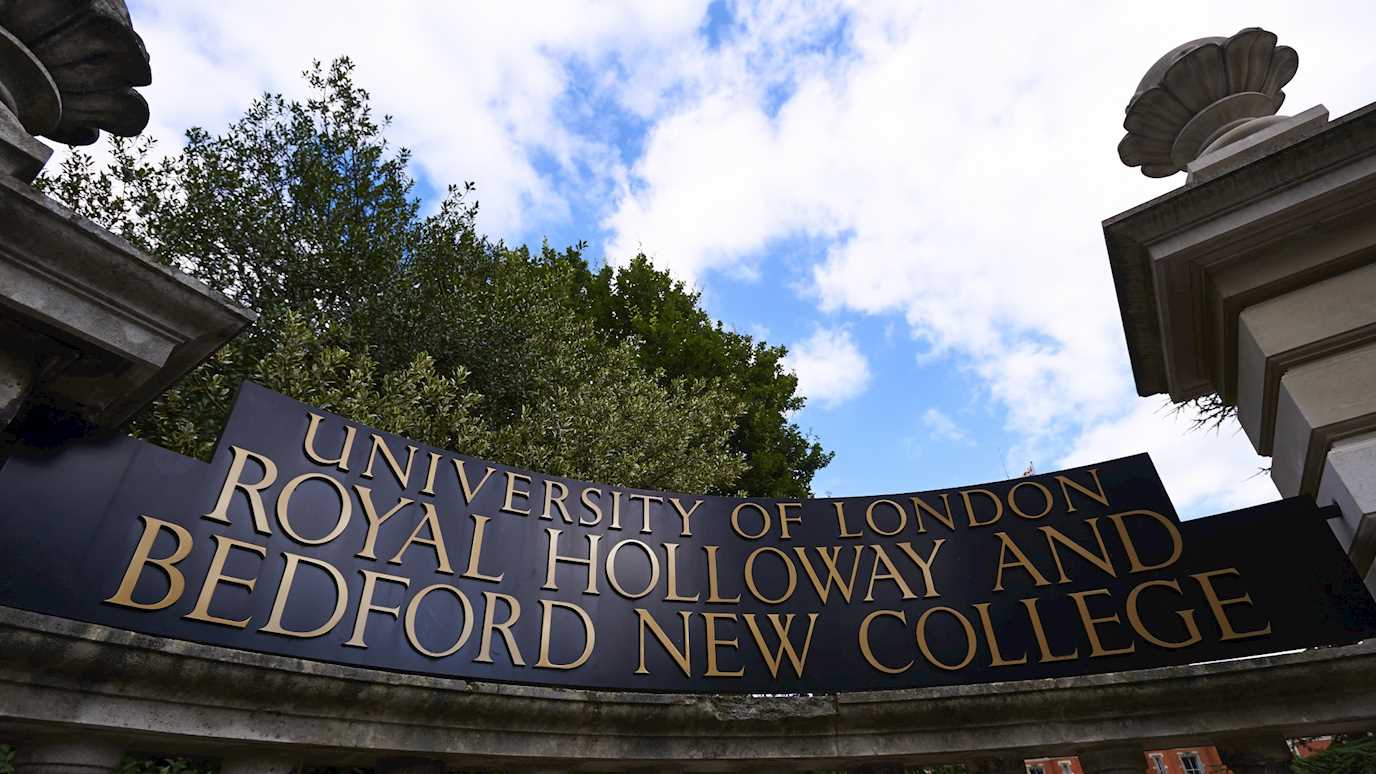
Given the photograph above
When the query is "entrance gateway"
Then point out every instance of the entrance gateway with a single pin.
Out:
(324, 593)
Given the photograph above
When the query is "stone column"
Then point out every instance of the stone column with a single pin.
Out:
(409, 765)
(1113, 760)
(1256, 755)
(67, 755)
(257, 763)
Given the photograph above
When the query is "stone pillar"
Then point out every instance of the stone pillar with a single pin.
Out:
(996, 765)
(1113, 760)
(257, 763)
(1256, 755)
(67, 755)
(409, 765)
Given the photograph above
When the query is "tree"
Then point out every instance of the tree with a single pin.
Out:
(678, 338)
(416, 324)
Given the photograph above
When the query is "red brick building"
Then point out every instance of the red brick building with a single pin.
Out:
(1178, 760)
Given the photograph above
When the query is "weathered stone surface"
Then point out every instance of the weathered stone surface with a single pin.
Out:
(69, 753)
(1299, 327)
(91, 57)
(129, 325)
(1320, 403)
(183, 697)
(1186, 264)
(1349, 481)
(1203, 95)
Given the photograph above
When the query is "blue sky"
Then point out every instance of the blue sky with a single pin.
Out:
(906, 195)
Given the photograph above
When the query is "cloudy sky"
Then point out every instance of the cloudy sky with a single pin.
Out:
(908, 196)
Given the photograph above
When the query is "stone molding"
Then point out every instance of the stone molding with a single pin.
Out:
(175, 696)
(1186, 263)
(127, 325)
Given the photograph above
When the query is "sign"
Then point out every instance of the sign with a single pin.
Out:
(310, 535)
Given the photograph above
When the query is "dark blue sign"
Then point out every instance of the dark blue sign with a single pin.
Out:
(313, 536)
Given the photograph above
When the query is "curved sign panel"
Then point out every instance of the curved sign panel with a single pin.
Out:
(310, 535)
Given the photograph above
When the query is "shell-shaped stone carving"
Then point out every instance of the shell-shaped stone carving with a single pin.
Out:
(1201, 91)
(94, 59)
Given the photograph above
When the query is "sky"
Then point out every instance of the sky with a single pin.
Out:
(906, 195)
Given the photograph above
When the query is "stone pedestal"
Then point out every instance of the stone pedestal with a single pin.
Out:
(74, 754)
(1256, 282)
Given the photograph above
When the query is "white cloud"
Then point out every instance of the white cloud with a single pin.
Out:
(1205, 471)
(479, 91)
(830, 368)
(943, 427)
(958, 163)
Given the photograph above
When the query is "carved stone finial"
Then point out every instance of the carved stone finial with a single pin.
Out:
(67, 71)
(1203, 95)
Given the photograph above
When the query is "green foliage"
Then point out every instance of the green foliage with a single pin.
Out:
(421, 326)
(1352, 757)
(678, 338)
(6, 759)
(144, 764)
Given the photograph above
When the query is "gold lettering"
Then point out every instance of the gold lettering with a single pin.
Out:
(342, 461)
(685, 516)
(346, 508)
(1040, 632)
(786, 518)
(254, 492)
(1020, 561)
(927, 650)
(970, 507)
(671, 570)
(375, 522)
(592, 506)
(713, 597)
(1055, 537)
(842, 531)
(1206, 582)
(736, 523)
(469, 492)
(552, 501)
(684, 657)
(489, 626)
(996, 656)
(554, 556)
(475, 552)
(833, 574)
(431, 470)
(176, 582)
(611, 568)
(1091, 624)
(279, 603)
(589, 635)
(865, 648)
(430, 520)
(902, 517)
(773, 659)
(216, 575)
(920, 506)
(750, 575)
(924, 563)
(890, 573)
(1048, 503)
(713, 643)
(1135, 617)
(1135, 560)
(512, 491)
(402, 475)
(410, 621)
(1097, 495)
(366, 606)
(645, 501)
